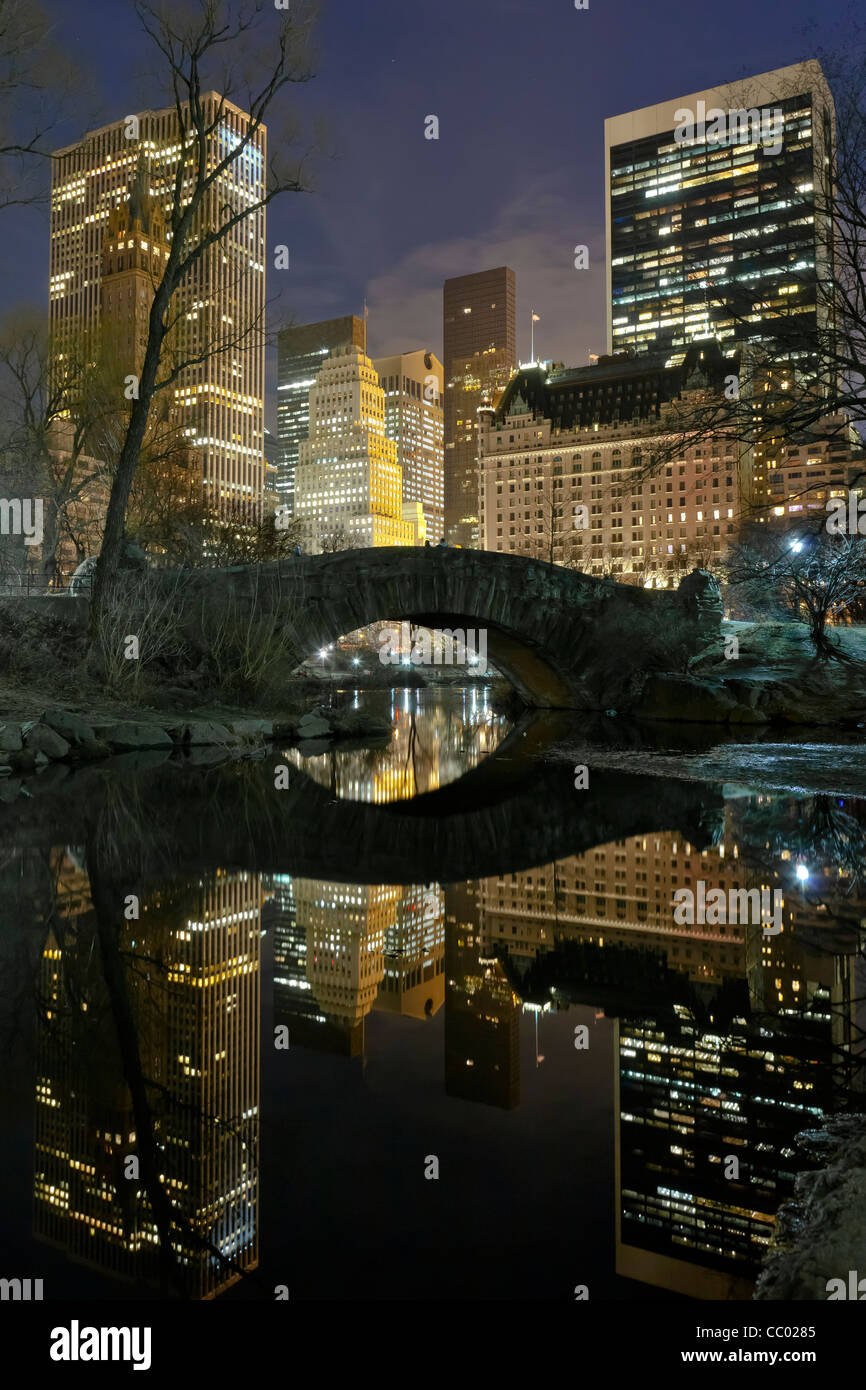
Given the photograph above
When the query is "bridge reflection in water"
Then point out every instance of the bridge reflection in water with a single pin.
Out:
(507, 898)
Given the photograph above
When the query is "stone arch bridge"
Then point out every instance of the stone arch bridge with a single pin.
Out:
(564, 639)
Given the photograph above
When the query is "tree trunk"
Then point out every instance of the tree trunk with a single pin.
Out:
(817, 624)
(50, 542)
(118, 502)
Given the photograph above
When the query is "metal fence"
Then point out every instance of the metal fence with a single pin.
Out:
(32, 586)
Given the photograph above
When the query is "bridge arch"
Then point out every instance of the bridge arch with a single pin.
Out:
(564, 639)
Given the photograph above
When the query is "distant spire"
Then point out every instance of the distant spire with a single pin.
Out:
(139, 194)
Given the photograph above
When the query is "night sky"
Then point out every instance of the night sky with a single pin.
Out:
(521, 89)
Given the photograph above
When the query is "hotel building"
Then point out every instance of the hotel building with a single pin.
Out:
(348, 482)
(564, 461)
(715, 230)
(218, 400)
(414, 419)
(413, 983)
(482, 1012)
(345, 925)
(581, 438)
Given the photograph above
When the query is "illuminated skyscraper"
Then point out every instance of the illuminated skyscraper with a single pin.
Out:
(480, 353)
(414, 419)
(348, 483)
(96, 193)
(707, 1116)
(414, 978)
(134, 251)
(301, 350)
(196, 1020)
(345, 925)
(712, 228)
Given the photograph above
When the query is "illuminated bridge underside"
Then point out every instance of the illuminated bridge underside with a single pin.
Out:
(564, 639)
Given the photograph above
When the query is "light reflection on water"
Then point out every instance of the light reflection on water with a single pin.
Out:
(436, 737)
(427, 1018)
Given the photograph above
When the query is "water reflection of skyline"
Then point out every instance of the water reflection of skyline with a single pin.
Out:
(725, 1043)
(183, 994)
(432, 744)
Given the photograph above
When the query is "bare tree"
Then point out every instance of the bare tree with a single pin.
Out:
(36, 83)
(238, 536)
(813, 572)
(336, 539)
(558, 540)
(191, 48)
(55, 410)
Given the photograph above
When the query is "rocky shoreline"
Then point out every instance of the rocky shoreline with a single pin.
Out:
(748, 699)
(820, 1237)
(64, 737)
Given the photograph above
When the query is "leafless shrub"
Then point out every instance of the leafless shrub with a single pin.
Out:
(146, 608)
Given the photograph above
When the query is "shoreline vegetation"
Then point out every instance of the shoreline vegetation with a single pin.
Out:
(177, 704)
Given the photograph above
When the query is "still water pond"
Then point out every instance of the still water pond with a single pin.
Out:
(421, 1024)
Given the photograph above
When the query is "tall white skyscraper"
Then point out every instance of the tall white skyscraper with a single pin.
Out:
(348, 483)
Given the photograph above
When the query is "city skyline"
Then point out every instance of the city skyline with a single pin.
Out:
(533, 227)
(433, 668)
(227, 478)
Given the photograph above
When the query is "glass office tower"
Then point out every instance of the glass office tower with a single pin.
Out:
(714, 219)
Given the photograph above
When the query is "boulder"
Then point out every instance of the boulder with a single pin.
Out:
(683, 698)
(72, 727)
(749, 707)
(252, 728)
(25, 761)
(199, 732)
(10, 738)
(313, 725)
(125, 736)
(285, 728)
(43, 740)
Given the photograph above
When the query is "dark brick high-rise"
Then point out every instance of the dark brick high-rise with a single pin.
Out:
(480, 353)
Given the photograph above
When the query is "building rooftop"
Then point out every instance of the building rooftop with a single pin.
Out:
(619, 387)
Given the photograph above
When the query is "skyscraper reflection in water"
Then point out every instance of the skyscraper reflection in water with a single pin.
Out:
(182, 1012)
